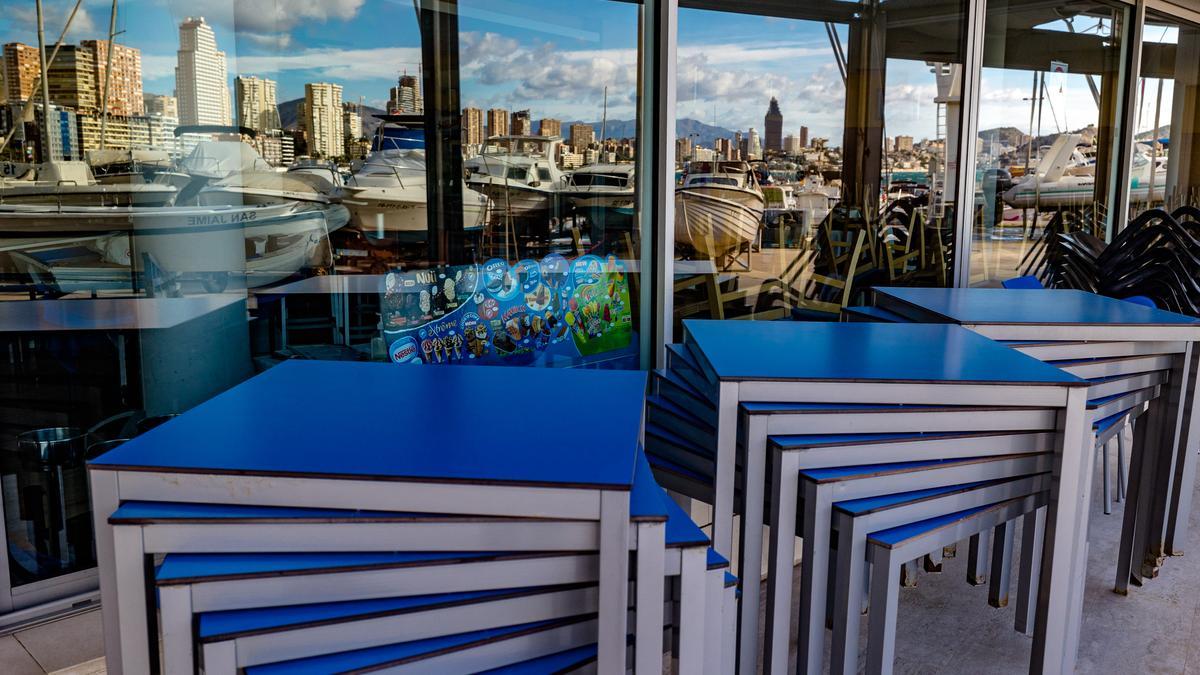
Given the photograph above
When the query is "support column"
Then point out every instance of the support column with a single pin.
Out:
(443, 131)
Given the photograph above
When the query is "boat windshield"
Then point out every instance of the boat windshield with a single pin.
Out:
(517, 173)
(712, 180)
(598, 180)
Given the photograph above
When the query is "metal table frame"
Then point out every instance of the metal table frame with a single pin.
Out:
(1173, 415)
(851, 573)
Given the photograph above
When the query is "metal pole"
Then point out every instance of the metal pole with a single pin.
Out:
(968, 132)
(112, 32)
(41, 35)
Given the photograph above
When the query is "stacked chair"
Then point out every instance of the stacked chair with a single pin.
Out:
(897, 483)
(400, 554)
(1156, 255)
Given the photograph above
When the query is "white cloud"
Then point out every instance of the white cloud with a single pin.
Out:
(334, 64)
(21, 21)
(268, 16)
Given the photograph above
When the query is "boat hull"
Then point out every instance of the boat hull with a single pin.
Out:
(716, 221)
(396, 214)
(515, 200)
(125, 194)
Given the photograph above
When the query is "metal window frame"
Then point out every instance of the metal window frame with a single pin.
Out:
(1131, 65)
(656, 175)
(968, 131)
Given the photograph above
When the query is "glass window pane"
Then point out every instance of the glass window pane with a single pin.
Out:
(206, 197)
(815, 148)
(1050, 94)
(1166, 115)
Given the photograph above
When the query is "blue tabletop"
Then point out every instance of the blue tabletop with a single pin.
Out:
(239, 621)
(524, 426)
(179, 567)
(555, 663)
(1032, 306)
(895, 352)
(399, 652)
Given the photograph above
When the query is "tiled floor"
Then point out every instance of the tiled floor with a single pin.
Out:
(945, 626)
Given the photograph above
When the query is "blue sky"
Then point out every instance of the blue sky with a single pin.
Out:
(553, 56)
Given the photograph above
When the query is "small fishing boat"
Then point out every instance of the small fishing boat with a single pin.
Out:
(719, 208)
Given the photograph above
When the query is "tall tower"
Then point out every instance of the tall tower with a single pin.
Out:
(406, 97)
(521, 124)
(323, 122)
(497, 122)
(257, 106)
(21, 69)
(200, 76)
(773, 128)
(472, 124)
(125, 83)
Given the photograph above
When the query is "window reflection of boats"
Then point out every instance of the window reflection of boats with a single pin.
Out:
(718, 209)
(604, 195)
(262, 242)
(73, 184)
(387, 194)
(521, 178)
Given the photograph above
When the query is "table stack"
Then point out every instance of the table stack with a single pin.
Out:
(335, 517)
(938, 429)
(1136, 359)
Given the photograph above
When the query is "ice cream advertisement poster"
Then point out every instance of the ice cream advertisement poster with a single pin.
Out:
(549, 312)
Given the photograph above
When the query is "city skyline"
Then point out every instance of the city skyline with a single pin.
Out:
(556, 67)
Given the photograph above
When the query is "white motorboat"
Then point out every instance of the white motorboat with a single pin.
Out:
(520, 175)
(719, 208)
(1059, 180)
(117, 167)
(72, 184)
(604, 195)
(273, 187)
(387, 197)
(253, 240)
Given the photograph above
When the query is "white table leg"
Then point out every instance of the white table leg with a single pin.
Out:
(849, 591)
(614, 582)
(105, 500)
(1062, 558)
(727, 414)
(129, 560)
(648, 621)
(175, 603)
(692, 597)
(785, 484)
(814, 577)
(750, 564)
(1032, 539)
(885, 599)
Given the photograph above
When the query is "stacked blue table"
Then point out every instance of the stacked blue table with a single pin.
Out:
(337, 460)
(831, 381)
(1133, 348)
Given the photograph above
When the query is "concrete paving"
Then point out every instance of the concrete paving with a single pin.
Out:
(945, 625)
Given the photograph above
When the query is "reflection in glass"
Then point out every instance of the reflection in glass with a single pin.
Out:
(1050, 96)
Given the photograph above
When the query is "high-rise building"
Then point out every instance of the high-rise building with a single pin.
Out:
(62, 141)
(352, 127)
(125, 83)
(405, 97)
(804, 137)
(472, 125)
(791, 145)
(164, 105)
(724, 148)
(200, 76)
(72, 80)
(21, 70)
(497, 122)
(773, 128)
(683, 148)
(521, 124)
(582, 136)
(754, 146)
(550, 127)
(256, 103)
(323, 124)
(904, 143)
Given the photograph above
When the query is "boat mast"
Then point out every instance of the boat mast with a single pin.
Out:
(41, 34)
(604, 118)
(112, 33)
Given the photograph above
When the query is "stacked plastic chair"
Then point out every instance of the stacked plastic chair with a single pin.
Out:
(886, 476)
(304, 543)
